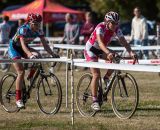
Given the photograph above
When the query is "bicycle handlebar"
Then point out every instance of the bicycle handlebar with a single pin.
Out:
(117, 58)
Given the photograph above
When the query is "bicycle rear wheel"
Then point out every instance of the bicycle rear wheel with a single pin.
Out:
(84, 96)
(125, 96)
(8, 92)
(49, 94)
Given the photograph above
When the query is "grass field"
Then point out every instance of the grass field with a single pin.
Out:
(147, 117)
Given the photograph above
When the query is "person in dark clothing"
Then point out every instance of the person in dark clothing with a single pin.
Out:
(87, 27)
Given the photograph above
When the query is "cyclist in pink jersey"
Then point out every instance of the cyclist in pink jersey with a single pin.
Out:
(96, 46)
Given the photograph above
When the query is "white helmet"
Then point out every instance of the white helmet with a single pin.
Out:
(112, 16)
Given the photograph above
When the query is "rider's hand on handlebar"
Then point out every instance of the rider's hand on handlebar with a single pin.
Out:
(110, 56)
(55, 55)
(33, 57)
(133, 55)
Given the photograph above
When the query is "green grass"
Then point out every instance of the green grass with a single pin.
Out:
(147, 116)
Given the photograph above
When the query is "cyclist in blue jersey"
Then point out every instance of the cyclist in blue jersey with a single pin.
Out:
(19, 48)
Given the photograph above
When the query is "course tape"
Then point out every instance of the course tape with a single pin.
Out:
(34, 60)
(143, 62)
(81, 47)
(145, 68)
(141, 68)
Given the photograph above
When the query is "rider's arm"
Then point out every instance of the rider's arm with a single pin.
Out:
(125, 44)
(101, 44)
(123, 41)
(24, 47)
(46, 46)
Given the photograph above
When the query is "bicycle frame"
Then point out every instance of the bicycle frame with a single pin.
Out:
(114, 75)
(37, 73)
(101, 92)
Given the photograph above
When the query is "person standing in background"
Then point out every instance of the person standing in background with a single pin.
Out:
(5, 30)
(71, 30)
(87, 27)
(139, 32)
(158, 37)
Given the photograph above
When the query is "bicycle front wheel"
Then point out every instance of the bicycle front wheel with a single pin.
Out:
(125, 95)
(49, 94)
(8, 92)
(84, 96)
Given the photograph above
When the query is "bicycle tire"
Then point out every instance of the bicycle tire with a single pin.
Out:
(122, 110)
(8, 92)
(45, 95)
(84, 96)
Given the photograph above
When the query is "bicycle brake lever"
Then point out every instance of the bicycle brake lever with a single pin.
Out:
(135, 59)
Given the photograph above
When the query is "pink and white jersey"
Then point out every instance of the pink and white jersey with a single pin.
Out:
(107, 34)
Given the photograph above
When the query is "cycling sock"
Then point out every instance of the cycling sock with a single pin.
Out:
(18, 95)
(94, 99)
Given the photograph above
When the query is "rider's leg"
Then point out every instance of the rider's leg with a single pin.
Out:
(94, 88)
(94, 83)
(32, 70)
(109, 72)
(89, 56)
(19, 82)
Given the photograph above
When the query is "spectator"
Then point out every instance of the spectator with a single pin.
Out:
(88, 27)
(71, 33)
(71, 30)
(5, 29)
(158, 37)
(139, 31)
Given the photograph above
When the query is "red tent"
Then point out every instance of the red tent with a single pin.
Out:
(50, 11)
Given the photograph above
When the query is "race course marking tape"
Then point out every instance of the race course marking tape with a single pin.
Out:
(145, 68)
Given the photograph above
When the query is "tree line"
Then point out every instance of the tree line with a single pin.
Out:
(150, 8)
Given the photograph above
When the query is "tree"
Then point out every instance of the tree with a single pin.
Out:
(125, 7)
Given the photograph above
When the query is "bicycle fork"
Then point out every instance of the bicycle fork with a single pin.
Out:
(121, 79)
(48, 86)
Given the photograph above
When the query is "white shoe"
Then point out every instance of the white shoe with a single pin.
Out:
(20, 104)
(95, 106)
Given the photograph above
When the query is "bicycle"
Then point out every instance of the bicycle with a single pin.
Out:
(124, 95)
(49, 92)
